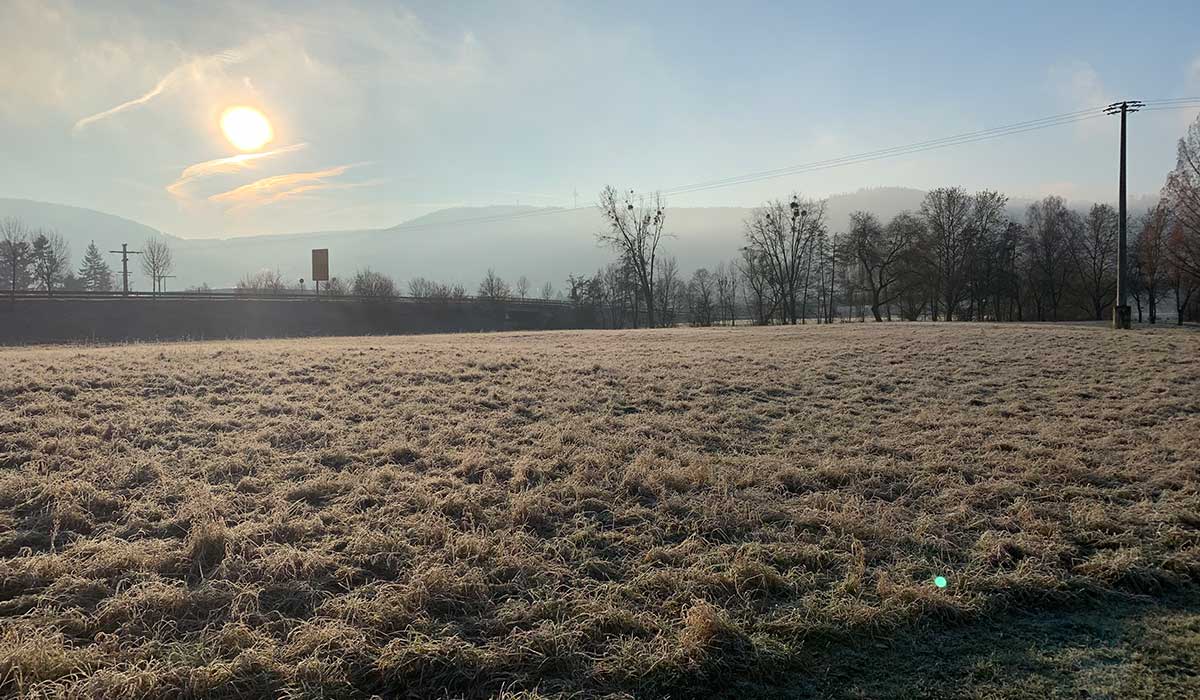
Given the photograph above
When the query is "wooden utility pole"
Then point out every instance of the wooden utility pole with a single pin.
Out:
(125, 253)
(1122, 314)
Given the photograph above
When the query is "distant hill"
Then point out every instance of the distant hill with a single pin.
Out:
(455, 245)
(79, 225)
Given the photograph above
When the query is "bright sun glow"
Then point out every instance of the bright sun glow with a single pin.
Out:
(246, 128)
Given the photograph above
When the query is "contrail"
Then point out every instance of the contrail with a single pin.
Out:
(277, 187)
(230, 164)
(196, 64)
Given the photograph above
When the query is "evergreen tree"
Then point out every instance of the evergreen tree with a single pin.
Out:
(16, 258)
(50, 257)
(95, 274)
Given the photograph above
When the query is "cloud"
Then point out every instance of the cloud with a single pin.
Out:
(231, 164)
(277, 188)
(1079, 86)
(193, 68)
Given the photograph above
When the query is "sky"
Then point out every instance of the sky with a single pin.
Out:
(383, 111)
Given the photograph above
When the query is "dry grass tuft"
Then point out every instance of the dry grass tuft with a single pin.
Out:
(709, 631)
(206, 546)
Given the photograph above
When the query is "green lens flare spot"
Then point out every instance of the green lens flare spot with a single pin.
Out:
(940, 581)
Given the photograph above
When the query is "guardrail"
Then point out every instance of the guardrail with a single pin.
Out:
(290, 295)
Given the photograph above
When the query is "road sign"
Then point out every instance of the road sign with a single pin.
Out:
(320, 264)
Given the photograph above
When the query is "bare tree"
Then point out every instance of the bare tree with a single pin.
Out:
(701, 290)
(1152, 256)
(635, 229)
(878, 250)
(369, 283)
(157, 262)
(15, 254)
(1094, 255)
(1009, 281)
(917, 295)
(263, 281)
(335, 287)
(421, 288)
(1182, 195)
(989, 222)
(51, 255)
(726, 284)
(783, 238)
(522, 287)
(760, 288)
(617, 292)
(665, 291)
(948, 213)
(824, 263)
(1180, 277)
(1133, 279)
(547, 292)
(1051, 228)
(493, 287)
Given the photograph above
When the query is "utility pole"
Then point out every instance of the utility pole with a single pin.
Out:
(798, 217)
(125, 253)
(160, 285)
(1122, 315)
(832, 275)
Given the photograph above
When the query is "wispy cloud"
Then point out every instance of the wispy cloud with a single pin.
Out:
(231, 164)
(1080, 86)
(194, 67)
(277, 188)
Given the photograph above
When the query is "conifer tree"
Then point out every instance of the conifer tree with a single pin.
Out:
(95, 273)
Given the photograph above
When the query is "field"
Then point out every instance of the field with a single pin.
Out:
(751, 512)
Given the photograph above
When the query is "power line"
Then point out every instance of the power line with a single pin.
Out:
(892, 152)
(895, 151)
(1164, 108)
(982, 133)
(873, 156)
(1171, 99)
(1170, 103)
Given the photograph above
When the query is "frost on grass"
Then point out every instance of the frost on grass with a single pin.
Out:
(578, 512)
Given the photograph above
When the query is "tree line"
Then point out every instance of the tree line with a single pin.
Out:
(372, 283)
(39, 259)
(959, 256)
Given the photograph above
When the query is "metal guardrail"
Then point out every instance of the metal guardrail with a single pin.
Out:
(63, 295)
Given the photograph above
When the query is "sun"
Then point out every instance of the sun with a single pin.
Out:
(246, 128)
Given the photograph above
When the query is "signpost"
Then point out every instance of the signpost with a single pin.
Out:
(320, 267)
